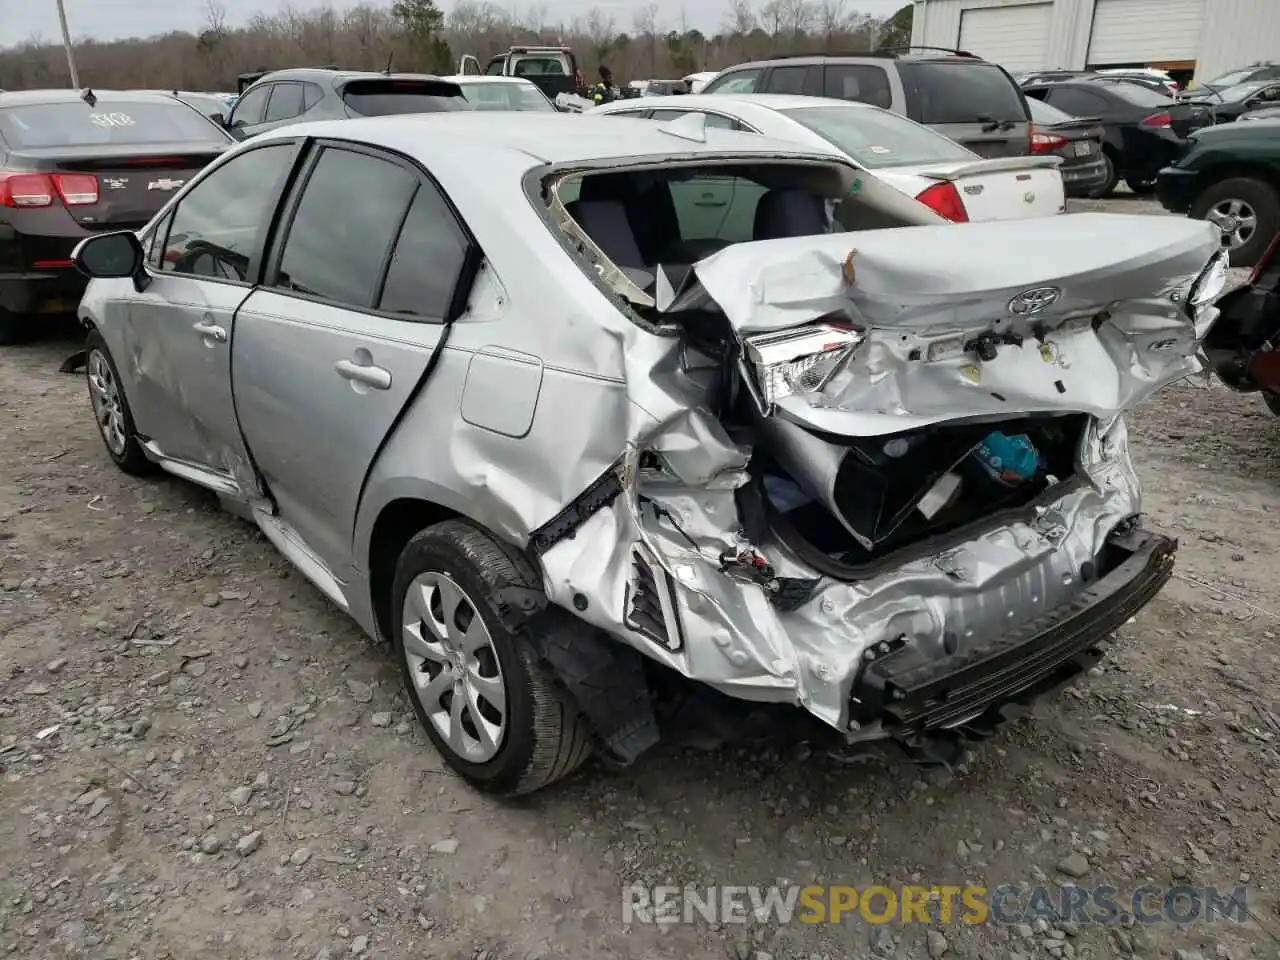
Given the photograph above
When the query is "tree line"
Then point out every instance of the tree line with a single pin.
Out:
(415, 35)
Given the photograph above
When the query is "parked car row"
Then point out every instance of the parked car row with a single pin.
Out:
(853, 493)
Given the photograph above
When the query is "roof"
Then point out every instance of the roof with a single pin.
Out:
(542, 137)
(724, 101)
(18, 98)
(324, 73)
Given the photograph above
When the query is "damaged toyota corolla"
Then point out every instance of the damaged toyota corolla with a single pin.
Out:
(564, 407)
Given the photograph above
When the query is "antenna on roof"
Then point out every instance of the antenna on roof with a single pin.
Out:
(89, 97)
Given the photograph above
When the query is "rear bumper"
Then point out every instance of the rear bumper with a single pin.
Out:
(1083, 179)
(1175, 189)
(912, 698)
(55, 290)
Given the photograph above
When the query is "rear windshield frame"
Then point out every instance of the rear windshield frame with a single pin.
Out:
(432, 96)
(918, 76)
(189, 124)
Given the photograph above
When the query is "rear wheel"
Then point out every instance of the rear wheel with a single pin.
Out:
(14, 328)
(1142, 188)
(488, 702)
(1109, 184)
(111, 410)
(1248, 212)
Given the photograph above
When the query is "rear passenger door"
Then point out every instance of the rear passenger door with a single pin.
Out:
(336, 341)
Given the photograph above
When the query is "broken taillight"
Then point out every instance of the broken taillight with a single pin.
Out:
(943, 198)
(801, 360)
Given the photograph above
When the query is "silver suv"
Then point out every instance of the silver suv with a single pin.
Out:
(966, 98)
(574, 410)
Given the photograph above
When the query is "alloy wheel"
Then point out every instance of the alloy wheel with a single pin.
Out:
(454, 666)
(1237, 220)
(104, 395)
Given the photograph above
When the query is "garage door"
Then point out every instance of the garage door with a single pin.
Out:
(1143, 31)
(1013, 37)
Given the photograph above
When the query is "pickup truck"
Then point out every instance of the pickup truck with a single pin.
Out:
(1229, 174)
(553, 70)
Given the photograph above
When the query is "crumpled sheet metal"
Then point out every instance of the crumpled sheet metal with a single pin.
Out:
(740, 643)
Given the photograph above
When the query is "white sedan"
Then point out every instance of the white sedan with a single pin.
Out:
(938, 172)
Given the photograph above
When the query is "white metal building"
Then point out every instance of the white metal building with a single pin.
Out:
(1209, 36)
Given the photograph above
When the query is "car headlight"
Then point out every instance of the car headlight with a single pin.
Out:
(1208, 286)
(780, 364)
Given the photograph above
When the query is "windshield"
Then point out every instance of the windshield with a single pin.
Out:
(876, 138)
(1042, 112)
(106, 123)
(384, 98)
(961, 91)
(511, 95)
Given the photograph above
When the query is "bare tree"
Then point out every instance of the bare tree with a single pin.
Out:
(645, 24)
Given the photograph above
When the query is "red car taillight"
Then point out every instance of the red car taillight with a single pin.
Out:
(1047, 142)
(944, 198)
(1158, 120)
(18, 190)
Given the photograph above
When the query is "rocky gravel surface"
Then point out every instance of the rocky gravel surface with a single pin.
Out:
(200, 757)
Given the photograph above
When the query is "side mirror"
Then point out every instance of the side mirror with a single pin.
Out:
(112, 256)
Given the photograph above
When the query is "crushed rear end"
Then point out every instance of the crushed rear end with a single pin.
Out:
(883, 475)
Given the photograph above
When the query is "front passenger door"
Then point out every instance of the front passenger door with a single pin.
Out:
(334, 344)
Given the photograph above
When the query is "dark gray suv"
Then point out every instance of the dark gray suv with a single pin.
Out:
(294, 95)
(972, 101)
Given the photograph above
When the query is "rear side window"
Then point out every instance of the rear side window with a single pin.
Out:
(427, 260)
(1079, 103)
(960, 91)
(740, 81)
(383, 98)
(850, 81)
(311, 95)
(285, 103)
(250, 108)
(107, 123)
(340, 258)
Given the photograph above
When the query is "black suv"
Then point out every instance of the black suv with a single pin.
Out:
(292, 96)
(974, 102)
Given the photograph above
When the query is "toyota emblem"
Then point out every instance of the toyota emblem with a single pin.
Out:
(1033, 301)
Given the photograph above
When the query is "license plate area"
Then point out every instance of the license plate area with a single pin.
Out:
(1082, 148)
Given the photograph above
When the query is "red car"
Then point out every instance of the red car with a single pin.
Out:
(1243, 346)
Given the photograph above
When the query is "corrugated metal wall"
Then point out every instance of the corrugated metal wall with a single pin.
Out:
(1236, 32)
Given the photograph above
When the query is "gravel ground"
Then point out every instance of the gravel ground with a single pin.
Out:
(202, 758)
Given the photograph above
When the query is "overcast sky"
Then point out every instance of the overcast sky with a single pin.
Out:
(111, 19)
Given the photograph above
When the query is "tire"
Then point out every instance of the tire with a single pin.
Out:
(1143, 188)
(452, 568)
(1258, 198)
(111, 409)
(1109, 185)
(14, 328)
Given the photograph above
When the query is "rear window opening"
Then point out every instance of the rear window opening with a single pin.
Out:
(663, 219)
(106, 123)
(960, 91)
(385, 98)
(847, 505)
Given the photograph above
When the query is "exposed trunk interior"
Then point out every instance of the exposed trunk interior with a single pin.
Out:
(847, 505)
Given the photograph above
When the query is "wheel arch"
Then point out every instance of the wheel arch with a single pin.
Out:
(1230, 170)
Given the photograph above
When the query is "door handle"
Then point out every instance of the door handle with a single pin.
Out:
(211, 330)
(369, 375)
